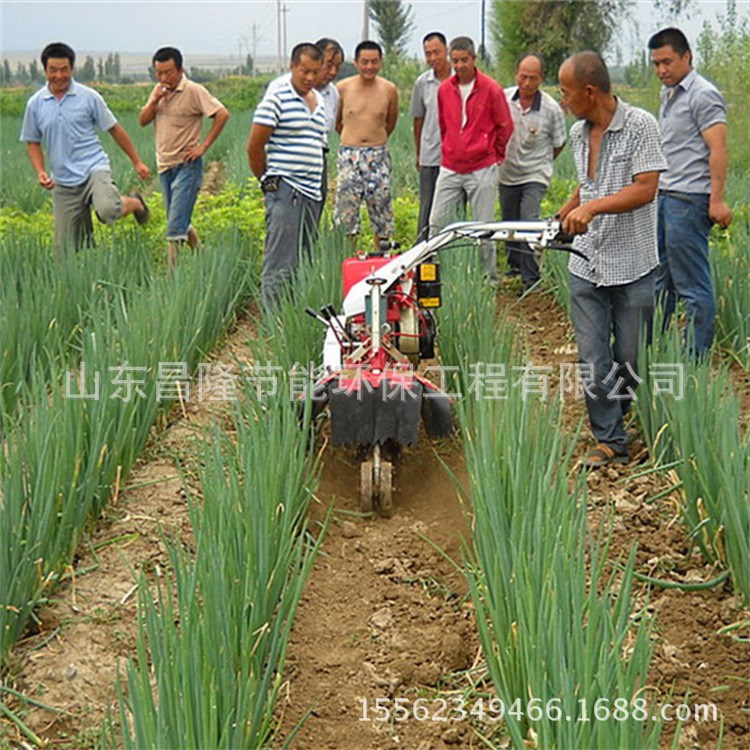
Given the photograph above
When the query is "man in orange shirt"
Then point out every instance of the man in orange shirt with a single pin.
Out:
(177, 107)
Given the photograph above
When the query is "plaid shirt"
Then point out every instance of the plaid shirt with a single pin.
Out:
(621, 248)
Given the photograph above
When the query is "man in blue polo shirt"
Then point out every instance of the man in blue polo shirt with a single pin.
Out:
(285, 151)
(64, 116)
(693, 120)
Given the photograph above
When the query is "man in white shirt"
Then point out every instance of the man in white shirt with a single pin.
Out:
(537, 140)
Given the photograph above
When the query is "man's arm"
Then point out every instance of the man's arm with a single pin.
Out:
(441, 116)
(147, 112)
(503, 125)
(36, 157)
(256, 148)
(219, 121)
(718, 158)
(573, 202)
(392, 115)
(640, 192)
(122, 139)
(340, 110)
(418, 124)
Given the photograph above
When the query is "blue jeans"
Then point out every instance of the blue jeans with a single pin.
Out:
(180, 186)
(522, 202)
(608, 321)
(291, 226)
(684, 269)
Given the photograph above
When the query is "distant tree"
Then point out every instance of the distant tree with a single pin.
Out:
(6, 74)
(116, 67)
(22, 75)
(395, 22)
(99, 70)
(558, 28)
(87, 72)
(201, 75)
(638, 71)
(35, 74)
(724, 51)
(109, 66)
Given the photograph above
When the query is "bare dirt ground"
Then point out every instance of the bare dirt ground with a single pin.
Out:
(384, 613)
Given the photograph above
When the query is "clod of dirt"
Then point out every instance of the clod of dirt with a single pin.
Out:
(729, 609)
(350, 530)
(382, 619)
(382, 567)
(454, 655)
(451, 736)
(427, 674)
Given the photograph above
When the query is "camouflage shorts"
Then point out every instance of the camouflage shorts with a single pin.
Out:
(364, 173)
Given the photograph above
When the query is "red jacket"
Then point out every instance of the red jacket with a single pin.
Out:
(489, 124)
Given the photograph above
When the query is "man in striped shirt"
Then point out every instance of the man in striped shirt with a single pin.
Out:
(285, 150)
(333, 59)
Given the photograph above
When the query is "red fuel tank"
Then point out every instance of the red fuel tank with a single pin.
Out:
(356, 269)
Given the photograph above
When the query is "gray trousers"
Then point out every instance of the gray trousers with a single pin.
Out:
(522, 202)
(479, 188)
(72, 208)
(291, 227)
(427, 179)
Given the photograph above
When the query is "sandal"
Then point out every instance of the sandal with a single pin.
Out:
(140, 216)
(604, 455)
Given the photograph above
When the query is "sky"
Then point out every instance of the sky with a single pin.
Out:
(226, 27)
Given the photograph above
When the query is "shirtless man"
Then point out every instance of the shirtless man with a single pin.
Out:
(368, 109)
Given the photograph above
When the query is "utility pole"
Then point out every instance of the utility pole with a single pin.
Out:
(279, 57)
(284, 11)
(366, 22)
(255, 49)
(482, 48)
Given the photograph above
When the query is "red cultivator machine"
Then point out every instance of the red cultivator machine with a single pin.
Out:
(373, 347)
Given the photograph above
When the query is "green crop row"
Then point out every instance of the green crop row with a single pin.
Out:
(59, 462)
(553, 622)
(211, 648)
(714, 474)
(45, 303)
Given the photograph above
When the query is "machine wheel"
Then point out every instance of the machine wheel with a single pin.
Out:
(385, 489)
(366, 493)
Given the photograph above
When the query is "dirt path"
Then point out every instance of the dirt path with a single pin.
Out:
(86, 632)
(384, 614)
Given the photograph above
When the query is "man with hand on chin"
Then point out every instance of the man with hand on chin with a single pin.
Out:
(177, 107)
(285, 151)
